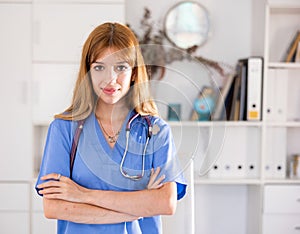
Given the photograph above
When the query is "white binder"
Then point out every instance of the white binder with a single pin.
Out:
(254, 87)
(275, 161)
(276, 95)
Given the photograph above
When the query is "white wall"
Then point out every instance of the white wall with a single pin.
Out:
(231, 20)
(229, 40)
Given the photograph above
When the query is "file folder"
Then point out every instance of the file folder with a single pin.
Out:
(254, 87)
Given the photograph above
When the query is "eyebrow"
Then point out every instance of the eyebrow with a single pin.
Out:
(99, 62)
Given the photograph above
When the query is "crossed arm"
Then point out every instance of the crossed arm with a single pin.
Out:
(66, 200)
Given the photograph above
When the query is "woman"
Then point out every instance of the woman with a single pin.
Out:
(125, 172)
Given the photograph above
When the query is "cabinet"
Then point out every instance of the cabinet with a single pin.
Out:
(59, 39)
(281, 209)
(281, 120)
(15, 64)
(57, 44)
(59, 29)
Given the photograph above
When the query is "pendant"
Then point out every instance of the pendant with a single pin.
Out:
(112, 139)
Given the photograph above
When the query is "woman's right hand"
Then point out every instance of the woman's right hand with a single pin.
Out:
(153, 182)
(61, 187)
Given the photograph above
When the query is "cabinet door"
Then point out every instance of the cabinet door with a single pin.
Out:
(15, 66)
(282, 199)
(14, 208)
(183, 220)
(60, 29)
(279, 224)
(39, 223)
(14, 223)
(42, 225)
(52, 90)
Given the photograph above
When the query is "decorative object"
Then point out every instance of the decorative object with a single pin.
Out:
(187, 24)
(157, 54)
(174, 112)
(204, 105)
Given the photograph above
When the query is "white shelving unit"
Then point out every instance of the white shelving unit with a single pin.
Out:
(227, 202)
(248, 160)
(281, 124)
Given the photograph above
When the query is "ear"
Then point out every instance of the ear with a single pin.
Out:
(132, 82)
(133, 77)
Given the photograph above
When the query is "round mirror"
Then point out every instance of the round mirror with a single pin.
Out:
(187, 24)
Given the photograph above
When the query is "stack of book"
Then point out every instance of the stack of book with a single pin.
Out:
(241, 96)
(293, 51)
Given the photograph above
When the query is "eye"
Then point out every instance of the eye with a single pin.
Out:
(99, 68)
(122, 68)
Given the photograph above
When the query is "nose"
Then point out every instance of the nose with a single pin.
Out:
(111, 75)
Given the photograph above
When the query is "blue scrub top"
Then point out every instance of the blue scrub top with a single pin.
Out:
(96, 165)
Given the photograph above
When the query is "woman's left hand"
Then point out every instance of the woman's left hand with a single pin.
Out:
(155, 183)
(61, 187)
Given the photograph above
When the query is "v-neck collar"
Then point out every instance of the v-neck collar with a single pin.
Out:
(101, 137)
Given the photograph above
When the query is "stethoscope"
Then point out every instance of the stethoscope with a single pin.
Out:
(149, 134)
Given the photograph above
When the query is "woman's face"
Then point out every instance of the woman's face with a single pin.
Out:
(111, 77)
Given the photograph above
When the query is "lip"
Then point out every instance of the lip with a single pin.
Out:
(109, 90)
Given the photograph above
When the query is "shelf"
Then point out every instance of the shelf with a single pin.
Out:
(284, 5)
(290, 124)
(281, 181)
(215, 181)
(241, 181)
(282, 65)
(214, 124)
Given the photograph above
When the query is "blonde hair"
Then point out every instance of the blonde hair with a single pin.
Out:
(121, 38)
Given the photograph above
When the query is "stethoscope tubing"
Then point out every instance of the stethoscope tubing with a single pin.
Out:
(149, 134)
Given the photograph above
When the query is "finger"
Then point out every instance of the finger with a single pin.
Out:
(157, 171)
(153, 183)
(158, 182)
(152, 178)
(51, 176)
(152, 171)
(53, 196)
(155, 174)
(48, 184)
(51, 190)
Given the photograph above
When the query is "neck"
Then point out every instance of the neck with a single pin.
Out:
(111, 113)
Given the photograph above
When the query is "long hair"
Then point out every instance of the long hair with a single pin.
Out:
(120, 38)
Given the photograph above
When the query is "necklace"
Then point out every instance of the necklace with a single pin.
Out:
(111, 139)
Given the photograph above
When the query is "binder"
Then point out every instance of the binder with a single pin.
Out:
(219, 112)
(275, 160)
(235, 106)
(276, 95)
(254, 68)
(243, 91)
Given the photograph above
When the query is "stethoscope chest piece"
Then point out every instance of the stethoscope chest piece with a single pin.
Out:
(155, 129)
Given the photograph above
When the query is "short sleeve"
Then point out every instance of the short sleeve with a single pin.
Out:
(165, 157)
(57, 150)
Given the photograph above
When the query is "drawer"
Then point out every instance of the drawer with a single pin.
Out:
(279, 224)
(282, 199)
(14, 222)
(41, 225)
(14, 197)
(37, 201)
